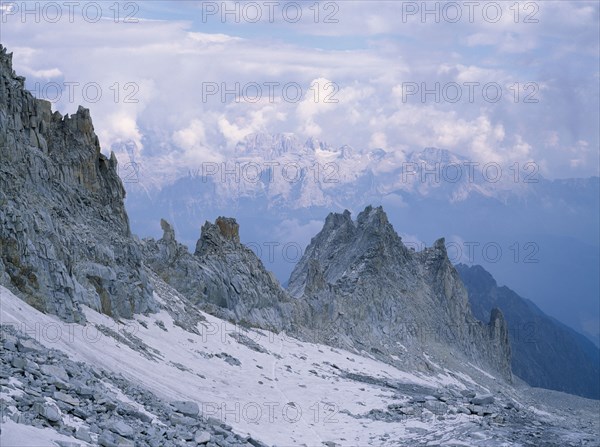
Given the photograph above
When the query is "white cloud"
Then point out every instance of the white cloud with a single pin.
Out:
(190, 137)
(170, 61)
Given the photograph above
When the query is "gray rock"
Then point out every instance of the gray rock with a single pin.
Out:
(177, 419)
(85, 391)
(109, 439)
(484, 399)
(49, 411)
(437, 408)
(55, 371)
(26, 345)
(468, 393)
(66, 208)
(120, 428)
(19, 362)
(9, 345)
(202, 437)
(68, 443)
(83, 434)
(187, 408)
(476, 409)
(66, 398)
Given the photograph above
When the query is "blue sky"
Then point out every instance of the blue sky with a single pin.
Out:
(368, 58)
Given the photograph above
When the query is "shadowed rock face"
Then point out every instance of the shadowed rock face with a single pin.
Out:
(64, 233)
(545, 352)
(364, 287)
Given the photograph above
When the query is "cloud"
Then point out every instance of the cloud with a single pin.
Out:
(153, 74)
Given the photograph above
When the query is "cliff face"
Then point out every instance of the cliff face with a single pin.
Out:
(365, 288)
(64, 233)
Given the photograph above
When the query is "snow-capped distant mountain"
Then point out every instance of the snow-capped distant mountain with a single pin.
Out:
(284, 171)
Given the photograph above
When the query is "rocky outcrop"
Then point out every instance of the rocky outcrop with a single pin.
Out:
(545, 352)
(363, 287)
(222, 276)
(64, 233)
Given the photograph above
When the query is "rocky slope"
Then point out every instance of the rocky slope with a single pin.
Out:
(117, 384)
(65, 239)
(545, 352)
(85, 405)
(363, 284)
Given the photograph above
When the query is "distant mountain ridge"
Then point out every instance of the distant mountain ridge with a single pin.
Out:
(545, 352)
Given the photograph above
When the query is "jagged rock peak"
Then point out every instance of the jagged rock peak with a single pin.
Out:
(347, 248)
(223, 233)
(437, 253)
(6, 61)
(168, 231)
(334, 220)
(375, 218)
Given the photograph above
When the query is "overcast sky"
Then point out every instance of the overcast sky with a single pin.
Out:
(353, 71)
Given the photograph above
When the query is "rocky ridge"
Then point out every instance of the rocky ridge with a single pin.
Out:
(222, 276)
(357, 287)
(65, 239)
(362, 282)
